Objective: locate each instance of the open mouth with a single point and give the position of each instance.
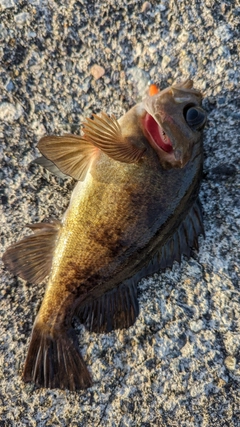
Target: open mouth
(157, 134)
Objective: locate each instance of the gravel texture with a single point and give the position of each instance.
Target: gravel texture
(179, 365)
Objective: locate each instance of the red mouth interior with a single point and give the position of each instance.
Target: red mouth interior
(157, 133)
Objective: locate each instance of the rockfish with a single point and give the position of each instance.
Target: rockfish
(133, 211)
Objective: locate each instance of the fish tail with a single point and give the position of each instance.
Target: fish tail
(55, 361)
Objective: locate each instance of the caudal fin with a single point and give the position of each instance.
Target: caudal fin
(55, 361)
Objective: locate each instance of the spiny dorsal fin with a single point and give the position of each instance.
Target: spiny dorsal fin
(184, 89)
(72, 154)
(105, 133)
(31, 257)
(185, 84)
(116, 309)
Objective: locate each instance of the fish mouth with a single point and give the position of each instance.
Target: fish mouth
(159, 140)
(156, 135)
(167, 151)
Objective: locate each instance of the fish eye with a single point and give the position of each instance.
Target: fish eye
(195, 117)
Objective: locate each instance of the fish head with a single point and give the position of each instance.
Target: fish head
(172, 122)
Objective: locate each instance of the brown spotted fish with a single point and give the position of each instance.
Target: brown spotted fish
(133, 211)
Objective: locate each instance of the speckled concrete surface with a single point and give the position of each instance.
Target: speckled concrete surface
(179, 365)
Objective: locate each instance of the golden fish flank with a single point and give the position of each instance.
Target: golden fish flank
(134, 211)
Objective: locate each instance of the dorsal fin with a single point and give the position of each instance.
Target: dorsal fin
(31, 257)
(180, 243)
(116, 309)
(183, 240)
(72, 154)
(185, 84)
(184, 89)
(105, 133)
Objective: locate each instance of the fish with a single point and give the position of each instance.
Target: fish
(134, 211)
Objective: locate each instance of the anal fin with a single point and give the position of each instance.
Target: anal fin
(116, 309)
(55, 361)
(31, 257)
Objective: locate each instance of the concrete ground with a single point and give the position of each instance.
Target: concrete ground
(179, 365)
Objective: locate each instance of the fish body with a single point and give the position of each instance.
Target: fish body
(133, 211)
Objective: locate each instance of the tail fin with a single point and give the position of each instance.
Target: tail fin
(55, 362)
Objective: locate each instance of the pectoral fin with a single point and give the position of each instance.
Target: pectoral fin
(71, 154)
(31, 257)
(105, 133)
(50, 166)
